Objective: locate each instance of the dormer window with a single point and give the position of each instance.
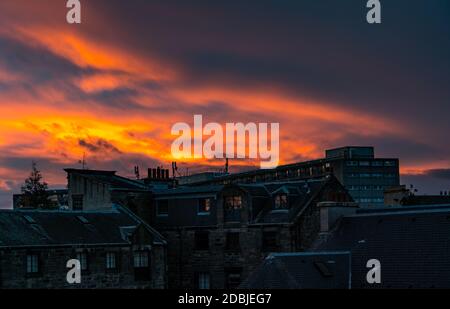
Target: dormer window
(281, 201)
(233, 205)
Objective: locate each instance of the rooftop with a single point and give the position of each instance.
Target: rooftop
(322, 270)
(412, 245)
(38, 228)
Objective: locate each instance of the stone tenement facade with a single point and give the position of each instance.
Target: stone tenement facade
(115, 249)
(217, 235)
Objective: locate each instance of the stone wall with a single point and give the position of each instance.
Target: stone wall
(53, 269)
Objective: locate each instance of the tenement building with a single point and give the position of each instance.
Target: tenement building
(218, 234)
(115, 249)
(362, 174)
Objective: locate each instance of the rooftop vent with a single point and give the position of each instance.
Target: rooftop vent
(29, 219)
(323, 269)
(83, 219)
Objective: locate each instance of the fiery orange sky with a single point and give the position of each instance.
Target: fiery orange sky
(113, 86)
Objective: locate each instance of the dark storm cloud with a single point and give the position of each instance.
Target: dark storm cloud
(439, 173)
(36, 64)
(319, 49)
(99, 145)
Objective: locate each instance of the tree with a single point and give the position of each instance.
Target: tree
(34, 191)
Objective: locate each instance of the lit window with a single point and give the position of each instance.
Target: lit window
(281, 201)
(233, 202)
(233, 205)
(204, 206)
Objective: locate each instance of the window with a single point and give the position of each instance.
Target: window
(364, 163)
(77, 202)
(233, 242)
(162, 208)
(377, 163)
(201, 240)
(352, 163)
(233, 205)
(233, 202)
(270, 242)
(281, 201)
(204, 206)
(233, 277)
(32, 264)
(390, 163)
(111, 261)
(82, 257)
(203, 281)
(142, 270)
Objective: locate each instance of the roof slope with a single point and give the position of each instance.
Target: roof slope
(109, 177)
(330, 270)
(413, 247)
(31, 228)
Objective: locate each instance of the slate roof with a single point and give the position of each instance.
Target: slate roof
(326, 270)
(187, 190)
(300, 193)
(31, 228)
(413, 246)
(415, 200)
(109, 177)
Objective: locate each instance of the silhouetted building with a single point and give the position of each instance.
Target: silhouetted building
(400, 196)
(115, 248)
(92, 189)
(364, 176)
(217, 235)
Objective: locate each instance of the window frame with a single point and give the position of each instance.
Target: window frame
(111, 256)
(158, 211)
(78, 201)
(83, 258)
(33, 264)
(281, 201)
(203, 281)
(142, 265)
(204, 210)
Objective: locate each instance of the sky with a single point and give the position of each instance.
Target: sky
(112, 87)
